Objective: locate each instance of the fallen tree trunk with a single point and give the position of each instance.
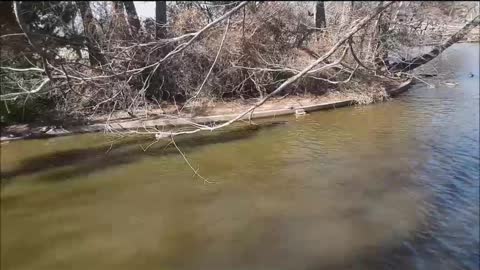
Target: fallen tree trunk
(408, 65)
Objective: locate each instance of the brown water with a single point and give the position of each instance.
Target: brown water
(387, 186)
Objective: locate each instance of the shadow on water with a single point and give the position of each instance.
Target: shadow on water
(72, 163)
(372, 259)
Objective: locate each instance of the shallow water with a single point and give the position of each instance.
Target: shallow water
(387, 186)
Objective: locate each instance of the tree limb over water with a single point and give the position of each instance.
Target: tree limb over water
(411, 64)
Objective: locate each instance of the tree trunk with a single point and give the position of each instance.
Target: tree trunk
(94, 53)
(132, 16)
(119, 21)
(8, 25)
(347, 8)
(408, 65)
(38, 46)
(160, 18)
(118, 10)
(320, 18)
(381, 51)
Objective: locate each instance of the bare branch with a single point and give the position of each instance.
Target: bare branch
(188, 163)
(23, 69)
(10, 96)
(211, 68)
(195, 36)
(12, 35)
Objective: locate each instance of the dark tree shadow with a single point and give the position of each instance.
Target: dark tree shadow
(72, 163)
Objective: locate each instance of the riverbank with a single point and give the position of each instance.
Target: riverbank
(214, 112)
(408, 168)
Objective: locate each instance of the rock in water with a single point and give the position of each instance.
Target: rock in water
(300, 112)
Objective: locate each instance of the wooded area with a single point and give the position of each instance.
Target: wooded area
(76, 59)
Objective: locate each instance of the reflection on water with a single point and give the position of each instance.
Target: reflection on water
(387, 186)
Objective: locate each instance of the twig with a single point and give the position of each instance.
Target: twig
(355, 56)
(15, 95)
(12, 35)
(211, 67)
(196, 36)
(146, 148)
(24, 69)
(188, 163)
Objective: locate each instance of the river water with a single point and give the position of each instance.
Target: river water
(386, 186)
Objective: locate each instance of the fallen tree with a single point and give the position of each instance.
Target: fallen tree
(411, 64)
